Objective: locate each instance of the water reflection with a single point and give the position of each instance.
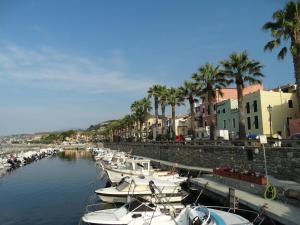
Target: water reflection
(75, 154)
(53, 190)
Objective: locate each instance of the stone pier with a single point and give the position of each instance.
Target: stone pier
(282, 163)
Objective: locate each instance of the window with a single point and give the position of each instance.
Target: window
(290, 103)
(215, 107)
(256, 122)
(248, 107)
(224, 124)
(249, 123)
(219, 111)
(233, 122)
(223, 110)
(255, 106)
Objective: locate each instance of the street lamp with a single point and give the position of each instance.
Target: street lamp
(269, 108)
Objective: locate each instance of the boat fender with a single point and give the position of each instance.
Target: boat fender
(136, 215)
(151, 186)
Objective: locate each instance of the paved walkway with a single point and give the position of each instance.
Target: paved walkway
(276, 210)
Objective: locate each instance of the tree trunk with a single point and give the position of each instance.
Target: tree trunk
(147, 131)
(242, 130)
(173, 123)
(156, 117)
(136, 131)
(163, 113)
(191, 101)
(296, 61)
(141, 131)
(212, 125)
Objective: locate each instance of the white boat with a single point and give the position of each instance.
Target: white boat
(137, 168)
(140, 187)
(138, 213)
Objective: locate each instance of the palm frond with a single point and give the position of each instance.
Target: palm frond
(281, 55)
(272, 44)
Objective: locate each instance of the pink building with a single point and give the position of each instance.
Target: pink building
(294, 126)
(202, 111)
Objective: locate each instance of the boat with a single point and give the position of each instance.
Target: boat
(139, 167)
(137, 212)
(141, 187)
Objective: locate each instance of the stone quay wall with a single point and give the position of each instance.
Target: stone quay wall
(282, 163)
(15, 148)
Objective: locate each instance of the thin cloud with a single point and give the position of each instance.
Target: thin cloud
(52, 69)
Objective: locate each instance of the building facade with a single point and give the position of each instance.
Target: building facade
(269, 112)
(182, 125)
(202, 110)
(228, 117)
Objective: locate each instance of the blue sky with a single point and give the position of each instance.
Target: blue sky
(69, 64)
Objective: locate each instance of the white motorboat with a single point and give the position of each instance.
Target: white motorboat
(137, 212)
(139, 167)
(141, 187)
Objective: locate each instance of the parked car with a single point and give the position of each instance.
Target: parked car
(295, 136)
(293, 140)
(188, 138)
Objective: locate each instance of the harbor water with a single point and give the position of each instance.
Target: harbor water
(56, 191)
(51, 191)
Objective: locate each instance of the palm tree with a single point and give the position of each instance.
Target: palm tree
(212, 80)
(286, 26)
(163, 102)
(114, 129)
(141, 110)
(154, 92)
(174, 98)
(190, 90)
(137, 111)
(128, 121)
(239, 69)
(146, 105)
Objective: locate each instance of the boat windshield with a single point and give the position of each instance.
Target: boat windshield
(137, 206)
(122, 185)
(199, 216)
(203, 213)
(146, 166)
(129, 166)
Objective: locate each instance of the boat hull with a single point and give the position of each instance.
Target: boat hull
(115, 175)
(109, 198)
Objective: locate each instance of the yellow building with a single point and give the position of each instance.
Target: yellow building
(284, 106)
